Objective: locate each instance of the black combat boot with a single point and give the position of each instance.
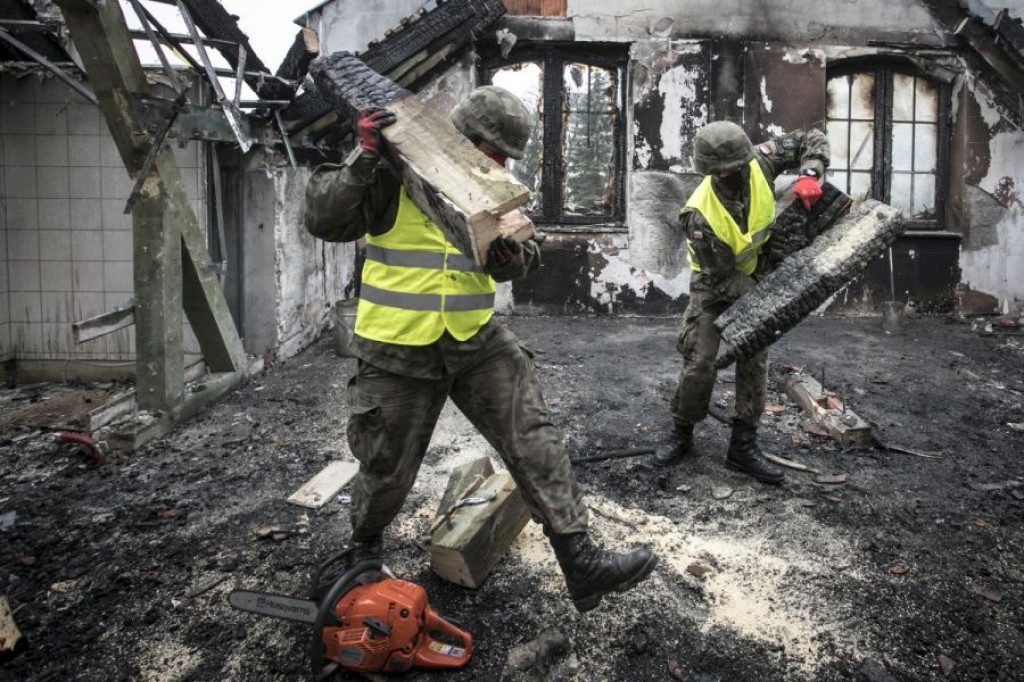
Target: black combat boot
(591, 572)
(678, 447)
(328, 572)
(745, 455)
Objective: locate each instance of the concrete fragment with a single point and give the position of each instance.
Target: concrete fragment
(535, 659)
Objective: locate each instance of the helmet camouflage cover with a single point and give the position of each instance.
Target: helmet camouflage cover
(721, 147)
(496, 116)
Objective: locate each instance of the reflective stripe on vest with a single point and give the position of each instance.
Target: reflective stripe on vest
(745, 246)
(416, 285)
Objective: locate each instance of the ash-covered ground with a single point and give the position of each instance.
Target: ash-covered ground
(910, 570)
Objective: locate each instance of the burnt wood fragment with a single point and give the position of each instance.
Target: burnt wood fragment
(215, 22)
(300, 55)
(806, 279)
(462, 191)
(795, 228)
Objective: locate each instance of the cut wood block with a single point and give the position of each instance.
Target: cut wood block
(315, 492)
(466, 547)
(461, 190)
(846, 428)
(10, 635)
(464, 481)
(806, 279)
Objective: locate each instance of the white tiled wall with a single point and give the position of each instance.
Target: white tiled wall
(66, 252)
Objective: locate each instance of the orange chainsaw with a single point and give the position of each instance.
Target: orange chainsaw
(368, 621)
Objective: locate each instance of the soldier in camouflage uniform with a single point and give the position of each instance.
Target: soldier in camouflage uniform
(727, 221)
(417, 348)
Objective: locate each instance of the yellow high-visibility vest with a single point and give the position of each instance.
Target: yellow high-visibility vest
(746, 247)
(416, 285)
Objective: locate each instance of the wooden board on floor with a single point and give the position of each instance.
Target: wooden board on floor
(465, 548)
(316, 492)
(845, 427)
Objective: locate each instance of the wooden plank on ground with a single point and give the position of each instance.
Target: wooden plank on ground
(10, 635)
(316, 492)
(844, 426)
(467, 546)
(461, 190)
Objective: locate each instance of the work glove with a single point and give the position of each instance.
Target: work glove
(369, 123)
(501, 251)
(808, 190)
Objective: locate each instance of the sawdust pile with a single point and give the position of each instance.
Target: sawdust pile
(771, 590)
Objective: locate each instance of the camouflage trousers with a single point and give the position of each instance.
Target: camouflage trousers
(698, 344)
(392, 418)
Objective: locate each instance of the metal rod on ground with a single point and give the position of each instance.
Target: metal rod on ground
(56, 70)
(892, 278)
(615, 454)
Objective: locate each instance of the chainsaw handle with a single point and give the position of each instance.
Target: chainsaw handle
(433, 653)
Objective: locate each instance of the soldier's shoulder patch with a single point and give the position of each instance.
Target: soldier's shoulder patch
(767, 148)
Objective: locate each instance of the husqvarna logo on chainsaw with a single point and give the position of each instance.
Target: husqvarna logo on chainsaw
(269, 604)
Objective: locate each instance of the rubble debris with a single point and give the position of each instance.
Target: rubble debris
(445, 175)
(998, 485)
(7, 520)
(614, 454)
(697, 570)
(830, 415)
(10, 635)
(535, 659)
(87, 445)
(790, 464)
(947, 664)
(984, 593)
(280, 531)
(806, 279)
(889, 447)
(316, 492)
(830, 479)
(721, 493)
(675, 670)
(900, 569)
(470, 541)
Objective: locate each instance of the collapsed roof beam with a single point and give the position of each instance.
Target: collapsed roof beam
(22, 26)
(46, 63)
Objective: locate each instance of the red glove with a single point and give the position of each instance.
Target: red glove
(369, 123)
(807, 190)
(501, 251)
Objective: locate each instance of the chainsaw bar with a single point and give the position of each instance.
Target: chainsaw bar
(274, 605)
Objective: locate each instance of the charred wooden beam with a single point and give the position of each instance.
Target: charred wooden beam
(795, 228)
(806, 279)
(300, 55)
(449, 179)
(448, 27)
(973, 32)
(215, 22)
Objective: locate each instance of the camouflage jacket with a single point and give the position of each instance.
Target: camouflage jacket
(796, 150)
(345, 203)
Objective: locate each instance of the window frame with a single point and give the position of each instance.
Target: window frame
(884, 70)
(553, 57)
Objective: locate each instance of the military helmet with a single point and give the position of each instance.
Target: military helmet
(721, 147)
(496, 116)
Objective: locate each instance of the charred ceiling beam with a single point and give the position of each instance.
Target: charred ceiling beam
(300, 55)
(982, 39)
(46, 63)
(410, 53)
(1010, 31)
(215, 22)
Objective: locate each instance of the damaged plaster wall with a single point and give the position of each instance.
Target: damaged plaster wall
(775, 20)
(293, 280)
(352, 24)
(991, 203)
